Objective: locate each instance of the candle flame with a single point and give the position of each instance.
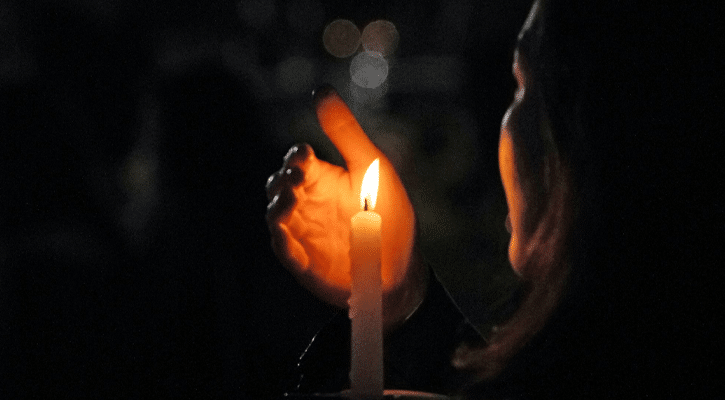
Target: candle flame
(369, 190)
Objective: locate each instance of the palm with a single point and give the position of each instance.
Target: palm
(313, 201)
(321, 223)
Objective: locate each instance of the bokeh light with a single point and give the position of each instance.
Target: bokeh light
(341, 38)
(369, 69)
(381, 37)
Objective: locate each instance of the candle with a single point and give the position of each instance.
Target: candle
(366, 311)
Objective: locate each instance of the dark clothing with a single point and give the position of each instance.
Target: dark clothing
(417, 355)
(576, 355)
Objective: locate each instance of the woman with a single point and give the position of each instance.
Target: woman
(601, 156)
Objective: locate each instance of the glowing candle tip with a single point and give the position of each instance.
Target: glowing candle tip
(369, 190)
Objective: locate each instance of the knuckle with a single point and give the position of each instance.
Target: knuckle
(298, 154)
(307, 151)
(294, 175)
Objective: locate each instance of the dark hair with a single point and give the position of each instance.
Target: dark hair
(623, 85)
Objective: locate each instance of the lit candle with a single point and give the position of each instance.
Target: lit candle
(366, 311)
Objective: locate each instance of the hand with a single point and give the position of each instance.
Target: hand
(312, 201)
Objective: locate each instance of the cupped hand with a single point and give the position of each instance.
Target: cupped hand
(312, 201)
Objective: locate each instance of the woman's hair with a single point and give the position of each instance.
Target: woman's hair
(621, 88)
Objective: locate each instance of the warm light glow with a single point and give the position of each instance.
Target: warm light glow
(369, 69)
(369, 188)
(341, 38)
(381, 37)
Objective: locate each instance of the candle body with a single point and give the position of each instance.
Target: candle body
(366, 311)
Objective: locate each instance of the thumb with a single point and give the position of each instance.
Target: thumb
(340, 125)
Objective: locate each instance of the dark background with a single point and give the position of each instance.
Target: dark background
(135, 141)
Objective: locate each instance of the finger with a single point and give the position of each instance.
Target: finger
(340, 125)
(281, 205)
(305, 159)
(300, 164)
(284, 177)
(271, 187)
(299, 155)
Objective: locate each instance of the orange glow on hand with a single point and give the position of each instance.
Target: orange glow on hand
(392, 203)
(310, 224)
(369, 189)
(341, 126)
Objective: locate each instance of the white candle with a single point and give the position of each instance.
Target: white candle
(366, 311)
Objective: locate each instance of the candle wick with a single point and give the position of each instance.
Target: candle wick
(365, 208)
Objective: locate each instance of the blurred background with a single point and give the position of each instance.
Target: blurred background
(135, 141)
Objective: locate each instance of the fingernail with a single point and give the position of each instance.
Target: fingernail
(291, 151)
(322, 92)
(273, 202)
